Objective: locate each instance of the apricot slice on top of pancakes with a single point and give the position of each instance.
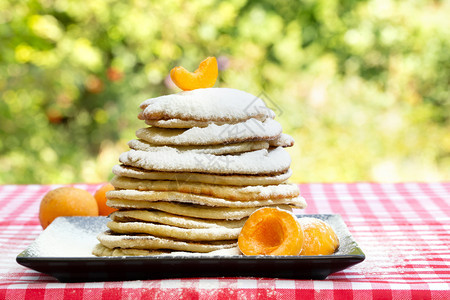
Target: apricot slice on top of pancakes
(204, 77)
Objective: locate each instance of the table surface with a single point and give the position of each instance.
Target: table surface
(403, 228)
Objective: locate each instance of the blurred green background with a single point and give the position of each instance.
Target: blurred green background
(363, 86)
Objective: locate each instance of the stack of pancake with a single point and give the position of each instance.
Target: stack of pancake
(209, 159)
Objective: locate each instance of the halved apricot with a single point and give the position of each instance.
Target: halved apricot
(320, 238)
(204, 77)
(271, 231)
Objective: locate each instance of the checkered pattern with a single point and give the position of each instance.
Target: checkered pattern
(402, 228)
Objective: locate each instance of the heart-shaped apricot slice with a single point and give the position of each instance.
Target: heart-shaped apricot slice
(204, 77)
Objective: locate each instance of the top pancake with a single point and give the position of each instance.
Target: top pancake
(222, 105)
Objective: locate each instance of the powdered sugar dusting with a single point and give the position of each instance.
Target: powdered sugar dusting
(68, 237)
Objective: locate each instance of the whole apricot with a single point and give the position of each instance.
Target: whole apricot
(65, 202)
(100, 197)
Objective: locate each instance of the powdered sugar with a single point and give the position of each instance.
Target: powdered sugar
(68, 237)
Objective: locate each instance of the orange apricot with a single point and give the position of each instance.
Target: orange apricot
(66, 202)
(100, 197)
(319, 237)
(204, 77)
(271, 231)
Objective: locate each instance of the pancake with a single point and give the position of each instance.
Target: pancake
(237, 180)
(259, 162)
(101, 250)
(185, 234)
(192, 210)
(250, 130)
(177, 197)
(171, 219)
(149, 242)
(177, 123)
(208, 104)
(284, 140)
(219, 191)
(214, 149)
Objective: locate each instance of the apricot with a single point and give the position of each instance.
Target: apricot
(66, 202)
(204, 77)
(319, 237)
(100, 197)
(271, 231)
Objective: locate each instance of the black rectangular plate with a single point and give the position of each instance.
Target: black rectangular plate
(63, 251)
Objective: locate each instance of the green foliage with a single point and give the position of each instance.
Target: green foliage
(363, 85)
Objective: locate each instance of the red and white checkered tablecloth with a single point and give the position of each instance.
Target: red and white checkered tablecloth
(403, 228)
